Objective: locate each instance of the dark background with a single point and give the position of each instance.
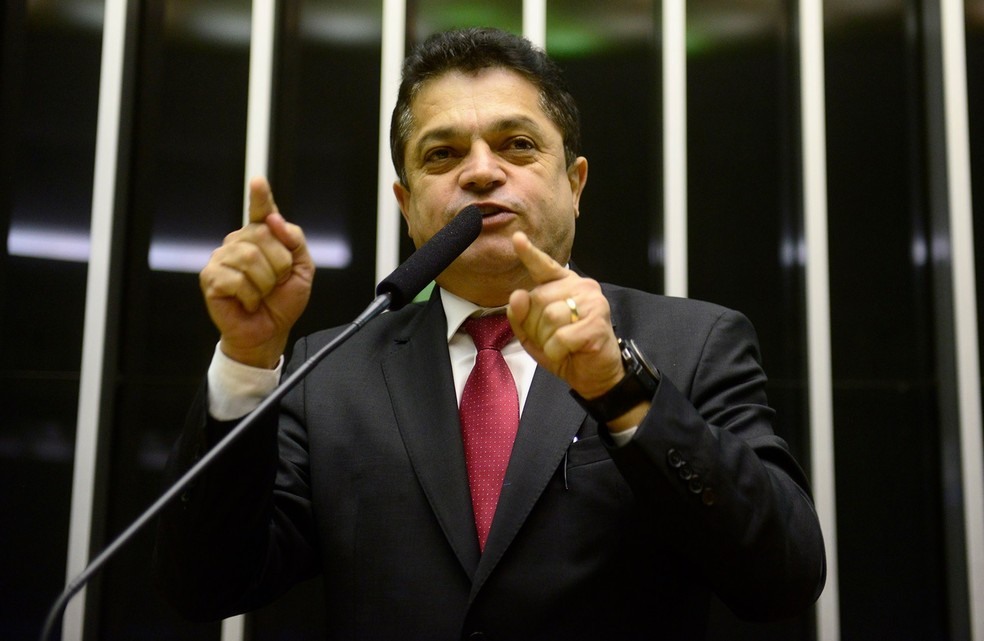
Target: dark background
(184, 132)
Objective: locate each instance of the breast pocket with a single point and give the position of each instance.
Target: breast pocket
(588, 468)
(586, 451)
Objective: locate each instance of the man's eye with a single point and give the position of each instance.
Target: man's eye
(437, 155)
(521, 144)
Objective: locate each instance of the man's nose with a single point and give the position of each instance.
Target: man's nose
(482, 169)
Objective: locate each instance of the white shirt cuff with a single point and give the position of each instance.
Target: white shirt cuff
(623, 437)
(234, 389)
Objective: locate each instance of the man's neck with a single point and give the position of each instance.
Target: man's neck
(488, 292)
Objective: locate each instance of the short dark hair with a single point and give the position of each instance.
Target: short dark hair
(473, 49)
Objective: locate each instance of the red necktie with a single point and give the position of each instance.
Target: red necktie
(489, 417)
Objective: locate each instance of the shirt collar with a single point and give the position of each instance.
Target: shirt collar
(457, 310)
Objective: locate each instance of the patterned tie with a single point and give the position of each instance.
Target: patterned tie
(489, 417)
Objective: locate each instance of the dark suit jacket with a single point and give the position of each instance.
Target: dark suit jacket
(362, 478)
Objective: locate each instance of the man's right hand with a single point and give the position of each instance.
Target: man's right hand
(258, 282)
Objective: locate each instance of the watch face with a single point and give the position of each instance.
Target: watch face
(644, 364)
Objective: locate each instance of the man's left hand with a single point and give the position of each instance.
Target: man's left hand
(579, 347)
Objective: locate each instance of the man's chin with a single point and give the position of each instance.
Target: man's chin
(485, 269)
(489, 253)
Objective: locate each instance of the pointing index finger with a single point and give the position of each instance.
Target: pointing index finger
(541, 266)
(261, 202)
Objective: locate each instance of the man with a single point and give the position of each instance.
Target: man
(620, 508)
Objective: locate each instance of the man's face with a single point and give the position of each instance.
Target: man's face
(483, 139)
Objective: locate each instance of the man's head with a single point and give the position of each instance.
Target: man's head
(469, 50)
(477, 127)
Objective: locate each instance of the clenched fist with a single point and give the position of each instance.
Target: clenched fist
(579, 347)
(258, 282)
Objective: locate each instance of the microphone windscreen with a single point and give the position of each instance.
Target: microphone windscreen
(432, 258)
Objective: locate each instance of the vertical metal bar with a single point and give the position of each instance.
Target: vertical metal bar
(234, 628)
(675, 147)
(387, 219)
(814, 142)
(263, 24)
(91, 383)
(262, 37)
(535, 22)
(957, 135)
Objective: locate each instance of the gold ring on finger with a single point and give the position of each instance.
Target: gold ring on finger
(575, 316)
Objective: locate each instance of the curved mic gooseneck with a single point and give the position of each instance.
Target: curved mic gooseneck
(392, 293)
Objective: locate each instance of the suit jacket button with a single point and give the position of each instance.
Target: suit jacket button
(686, 472)
(674, 458)
(477, 636)
(708, 497)
(695, 485)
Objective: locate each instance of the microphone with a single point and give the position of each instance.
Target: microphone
(432, 258)
(392, 293)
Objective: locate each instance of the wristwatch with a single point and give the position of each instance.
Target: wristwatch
(639, 384)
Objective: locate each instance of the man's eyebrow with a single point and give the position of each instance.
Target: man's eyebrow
(435, 135)
(499, 126)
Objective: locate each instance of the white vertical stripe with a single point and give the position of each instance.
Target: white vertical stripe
(964, 301)
(535, 22)
(96, 302)
(260, 98)
(387, 212)
(812, 97)
(234, 628)
(259, 106)
(675, 147)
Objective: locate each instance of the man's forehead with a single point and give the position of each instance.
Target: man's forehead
(501, 81)
(504, 99)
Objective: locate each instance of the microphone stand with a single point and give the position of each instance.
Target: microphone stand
(379, 305)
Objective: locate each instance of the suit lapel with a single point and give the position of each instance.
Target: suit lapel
(551, 419)
(421, 389)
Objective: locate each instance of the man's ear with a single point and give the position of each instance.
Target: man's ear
(577, 174)
(402, 194)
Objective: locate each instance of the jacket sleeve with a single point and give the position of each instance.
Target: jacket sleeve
(242, 533)
(731, 495)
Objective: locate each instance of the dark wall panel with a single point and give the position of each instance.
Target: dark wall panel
(183, 194)
(611, 59)
(49, 79)
(890, 534)
(744, 212)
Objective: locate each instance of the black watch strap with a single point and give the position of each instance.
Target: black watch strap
(639, 384)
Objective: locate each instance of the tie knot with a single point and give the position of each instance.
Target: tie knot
(489, 332)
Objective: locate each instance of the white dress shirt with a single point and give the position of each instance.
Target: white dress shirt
(235, 390)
